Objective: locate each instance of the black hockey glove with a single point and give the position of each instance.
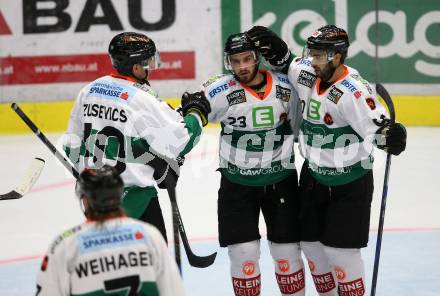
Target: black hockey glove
(392, 138)
(271, 46)
(198, 103)
(165, 173)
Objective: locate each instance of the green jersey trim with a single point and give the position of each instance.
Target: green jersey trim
(321, 136)
(340, 176)
(136, 199)
(257, 176)
(194, 130)
(235, 138)
(146, 289)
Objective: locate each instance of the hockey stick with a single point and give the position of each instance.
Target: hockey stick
(194, 260)
(27, 182)
(389, 102)
(45, 140)
(169, 180)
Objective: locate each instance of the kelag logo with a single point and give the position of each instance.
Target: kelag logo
(409, 43)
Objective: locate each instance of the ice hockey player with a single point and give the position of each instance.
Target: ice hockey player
(118, 119)
(342, 118)
(110, 253)
(258, 112)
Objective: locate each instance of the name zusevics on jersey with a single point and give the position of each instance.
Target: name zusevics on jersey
(104, 112)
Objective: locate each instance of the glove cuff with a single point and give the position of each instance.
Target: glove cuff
(200, 113)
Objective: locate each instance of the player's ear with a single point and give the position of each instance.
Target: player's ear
(337, 59)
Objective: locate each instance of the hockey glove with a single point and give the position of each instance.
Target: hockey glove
(392, 138)
(271, 47)
(165, 174)
(198, 103)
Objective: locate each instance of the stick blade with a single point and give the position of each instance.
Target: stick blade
(10, 195)
(200, 261)
(28, 180)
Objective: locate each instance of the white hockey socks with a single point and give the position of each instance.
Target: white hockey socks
(349, 269)
(289, 268)
(245, 269)
(320, 268)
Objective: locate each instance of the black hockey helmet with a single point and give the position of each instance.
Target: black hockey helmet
(237, 43)
(129, 48)
(331, 39)
(103, 188)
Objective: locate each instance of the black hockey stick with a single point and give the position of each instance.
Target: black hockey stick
(194, 260)
(45, 140)
(27, 182)
(389, 102)
(168, 180)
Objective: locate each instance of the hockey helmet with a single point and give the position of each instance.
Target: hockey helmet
(238, 43)
(103, 188)
(330, 39)
(129, 48)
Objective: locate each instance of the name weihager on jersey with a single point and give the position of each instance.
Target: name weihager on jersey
(113, 262)
(100, 259)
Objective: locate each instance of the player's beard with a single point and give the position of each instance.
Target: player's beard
(245, 76)
(326, 73)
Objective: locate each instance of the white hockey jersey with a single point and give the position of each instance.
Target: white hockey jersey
(116, 120)
(121, 256)
(339, 123)
(256, 140)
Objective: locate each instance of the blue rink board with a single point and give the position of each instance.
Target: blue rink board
(409, 266)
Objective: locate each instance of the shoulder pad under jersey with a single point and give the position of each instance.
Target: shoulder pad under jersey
(213, 79)
(146, 88)
(63, 236)
(352, 84)
(281, 77)
(220, 85)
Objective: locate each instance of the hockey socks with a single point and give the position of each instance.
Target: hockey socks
(289, 268)
(245, 270)
(322, 272)
(349, 269)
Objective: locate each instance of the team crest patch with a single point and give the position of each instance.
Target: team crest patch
(371, 103)
(283, 93)
(335, 94)
(44, 263)
(328, 119)
(306, 78)
(236, 97)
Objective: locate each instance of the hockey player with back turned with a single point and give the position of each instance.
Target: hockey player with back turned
(258, 111)
(342, 119)
(118, 119)
(109, 254)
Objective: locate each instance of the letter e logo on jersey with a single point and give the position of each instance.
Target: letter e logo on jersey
(283, 265)
(263, 116)
(248, 267)
(313, 109)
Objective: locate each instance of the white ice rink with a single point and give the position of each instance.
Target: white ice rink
(410, 258)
